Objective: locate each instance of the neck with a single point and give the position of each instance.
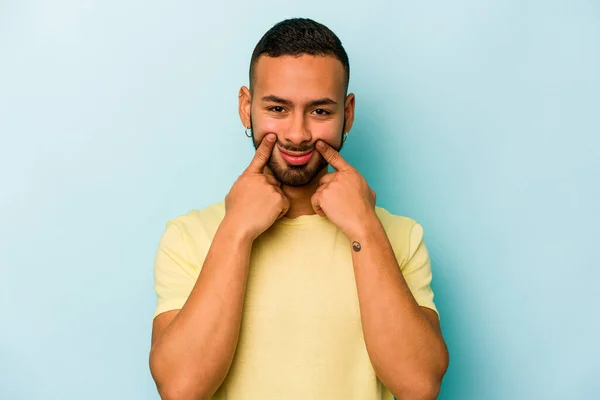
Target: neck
(300, 197)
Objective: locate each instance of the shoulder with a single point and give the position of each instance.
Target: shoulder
(206, 219)
(393, 221)
(405, 234)
(195, 229)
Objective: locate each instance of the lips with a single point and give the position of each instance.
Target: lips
(295, 158)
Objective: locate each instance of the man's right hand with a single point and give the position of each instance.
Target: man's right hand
(256, 200)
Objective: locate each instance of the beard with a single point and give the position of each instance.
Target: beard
(298, 175)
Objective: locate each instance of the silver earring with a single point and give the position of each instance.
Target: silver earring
(248, 129)
(344, 137)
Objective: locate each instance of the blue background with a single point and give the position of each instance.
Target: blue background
(480, 119)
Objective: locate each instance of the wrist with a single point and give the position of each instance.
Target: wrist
(367, 224)
(236, 232)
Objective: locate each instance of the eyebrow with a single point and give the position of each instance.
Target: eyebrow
(325, 101)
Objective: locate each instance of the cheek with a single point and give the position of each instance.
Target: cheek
(270, 125)
(263, 126)
(330, 132)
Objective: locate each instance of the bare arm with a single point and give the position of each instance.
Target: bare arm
(404, 340)
(192, 348)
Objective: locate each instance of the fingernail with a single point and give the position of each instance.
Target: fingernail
(320, 145)
(271, 137)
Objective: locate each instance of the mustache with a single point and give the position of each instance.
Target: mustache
(296, 149)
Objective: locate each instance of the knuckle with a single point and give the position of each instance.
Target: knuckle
(260, 156)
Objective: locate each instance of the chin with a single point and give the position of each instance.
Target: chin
(296, 176)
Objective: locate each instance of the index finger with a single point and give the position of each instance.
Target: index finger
(332, 156)
(261, 157)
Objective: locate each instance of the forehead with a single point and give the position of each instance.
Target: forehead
(302, 76)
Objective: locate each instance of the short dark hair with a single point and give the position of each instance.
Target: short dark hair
(297, 36)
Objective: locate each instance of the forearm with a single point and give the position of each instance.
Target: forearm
(406, 349)
(194, 353)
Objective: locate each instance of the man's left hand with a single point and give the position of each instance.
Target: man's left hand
(344, 196)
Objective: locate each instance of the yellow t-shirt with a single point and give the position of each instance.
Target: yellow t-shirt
(301, 335)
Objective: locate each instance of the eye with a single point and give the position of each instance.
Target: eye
(320, 111)
(277, 109)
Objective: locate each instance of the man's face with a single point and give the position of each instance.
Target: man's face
(300, 99)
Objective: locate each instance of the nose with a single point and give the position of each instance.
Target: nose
(298, 132)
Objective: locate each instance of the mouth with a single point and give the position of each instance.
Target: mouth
(294, 158)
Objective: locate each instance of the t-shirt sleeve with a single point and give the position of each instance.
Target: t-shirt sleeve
(175, 268)
(417, 269)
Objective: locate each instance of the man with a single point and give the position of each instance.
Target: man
(296, 286)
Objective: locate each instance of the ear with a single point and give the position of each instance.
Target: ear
(244, 104)
(349, 111)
